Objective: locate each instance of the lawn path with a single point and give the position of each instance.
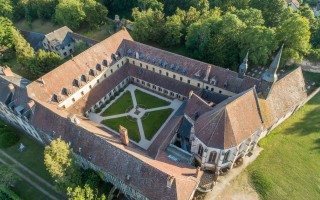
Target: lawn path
(28, 179)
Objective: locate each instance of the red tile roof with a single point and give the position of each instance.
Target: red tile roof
(230, 122)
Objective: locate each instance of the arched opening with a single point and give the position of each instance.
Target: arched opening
(200, 150)
(212, 157)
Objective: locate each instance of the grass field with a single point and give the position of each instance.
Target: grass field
(133, 130)
(289, 165)
(120, 105)
(149, 101)
(33, 158)
(154, 121)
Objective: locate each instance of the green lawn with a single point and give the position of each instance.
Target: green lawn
(33, 159)
(120, 106)
(149, 101)
(154, 121)
(132, 127)
(289, 165)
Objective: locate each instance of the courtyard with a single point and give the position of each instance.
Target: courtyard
(142, 112)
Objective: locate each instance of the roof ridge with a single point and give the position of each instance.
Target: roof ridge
(216, 126)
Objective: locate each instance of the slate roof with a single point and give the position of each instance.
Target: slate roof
(60, 37)
(34, 39)
(89, 41)
(213, 96)
(230, 122)
(234, 84)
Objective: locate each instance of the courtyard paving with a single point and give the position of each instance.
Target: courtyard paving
(138, 113)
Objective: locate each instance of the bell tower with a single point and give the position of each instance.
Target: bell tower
(270, 76)
(243, 67)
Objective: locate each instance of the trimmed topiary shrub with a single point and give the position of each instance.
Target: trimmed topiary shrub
(8, 137)
(112, 98)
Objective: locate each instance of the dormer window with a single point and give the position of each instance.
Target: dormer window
(225, 85)
(66, 91)
(57, 98)
(197, 74)
(213, 81)
(84, 78)
(93, 72)
(105, 62)
(77, 83)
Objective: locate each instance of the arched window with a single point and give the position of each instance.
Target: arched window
(226, 156)
(200, 150)
(212, 157)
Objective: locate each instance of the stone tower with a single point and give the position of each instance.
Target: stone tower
(243, 67)
(124, 135)
(270, 76)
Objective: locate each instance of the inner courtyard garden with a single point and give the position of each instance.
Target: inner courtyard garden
(140, 111)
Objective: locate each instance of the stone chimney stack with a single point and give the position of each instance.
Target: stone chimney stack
(11, 87)
(124, 135)
(190, 94)
(170, 180)
(42, 81)
(31, 104)
(206, 78)
(7, 71)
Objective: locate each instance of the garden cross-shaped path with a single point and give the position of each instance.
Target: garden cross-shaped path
(144, 143)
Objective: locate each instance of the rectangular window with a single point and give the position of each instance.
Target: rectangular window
(198, 84)
(140, 64)
(174, 76)
(111, 71)
(133, 62)
(147, 67)
(160, 72)
(167, 74)
(118, 66)
(189, 81)
(207, 87)
(211, 89)
(153, 69)
(180, 78)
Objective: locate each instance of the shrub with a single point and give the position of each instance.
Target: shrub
(314, 55)
(121, 90)
(116, 94)
(90, 178)
(98, 110)
(7, 194)
(8, 138)
(112, 98)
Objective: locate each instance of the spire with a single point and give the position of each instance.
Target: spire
(244, 66)
(271, 74)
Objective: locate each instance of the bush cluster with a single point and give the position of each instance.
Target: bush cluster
(8, 136)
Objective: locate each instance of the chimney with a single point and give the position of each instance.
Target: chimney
(11, 87)
(198, 172)
(206, 78)
(124, 135)
(190, 94)
(7, 71)
(31, 104)
(42, 81)
(170, 180)
(73, 118)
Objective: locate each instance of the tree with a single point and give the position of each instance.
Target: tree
(153, 4)
(260, 41)
(315, 36)
(8, 177)
(60, 163)
(273, 11)
(307, 12)
(172, 30)
(85, 193)
(6, 9)
(24, 52)
(80, 46)
(250, 16)
(95, 13)
(70, 13)
(6, 37)
(45, 62)
(294, 32)
(148, 25)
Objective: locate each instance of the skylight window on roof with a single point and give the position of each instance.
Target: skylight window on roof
(154, 61)
(184, 70)
(177, 68)
(99, 67)
(172, 66)
(66, 91)
(141, 56)
(160, 62)
(57, 98)
(148, 58)
(85, 78)
(164, 64)
(129, 52)
(93, 72)
(105, 62)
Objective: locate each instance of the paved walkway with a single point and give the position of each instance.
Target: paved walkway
(143, 143)
(35, 176)
(224, 181)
